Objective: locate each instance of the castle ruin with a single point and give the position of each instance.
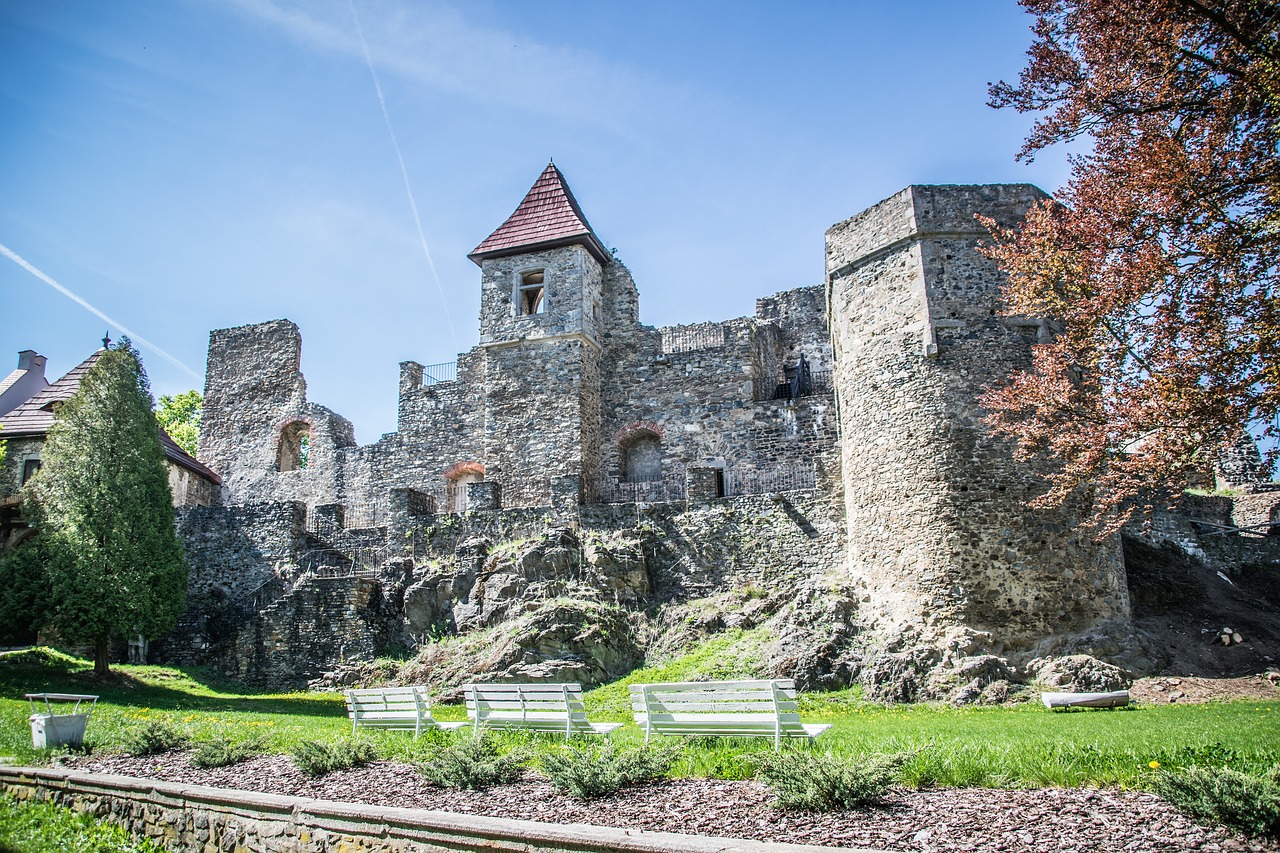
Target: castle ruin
(828, 451)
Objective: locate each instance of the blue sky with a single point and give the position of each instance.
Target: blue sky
(185, 166)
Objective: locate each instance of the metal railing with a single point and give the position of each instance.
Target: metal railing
(687, 339)
(643, 491)
(765, 482)
(446, 371)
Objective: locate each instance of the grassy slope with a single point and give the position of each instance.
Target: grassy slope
(1021, 746)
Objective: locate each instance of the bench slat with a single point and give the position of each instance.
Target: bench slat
(405, 708)
(759, 708)
(538, 707)
(707, 705)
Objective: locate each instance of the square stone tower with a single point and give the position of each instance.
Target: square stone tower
(541, 326)
(940, 536)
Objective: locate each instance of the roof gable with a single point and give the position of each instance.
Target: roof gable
(548, 216)
(34, 418)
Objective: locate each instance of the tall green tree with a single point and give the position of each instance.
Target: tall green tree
(1161, 256)
(179, 414)
(102, 502)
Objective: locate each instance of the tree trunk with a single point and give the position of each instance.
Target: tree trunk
(101, 666)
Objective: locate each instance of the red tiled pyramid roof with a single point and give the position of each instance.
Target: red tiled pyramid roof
(548, 216)
(34, 417)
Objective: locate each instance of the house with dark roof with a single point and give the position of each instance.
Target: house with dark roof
(25, 425)
(24, 382)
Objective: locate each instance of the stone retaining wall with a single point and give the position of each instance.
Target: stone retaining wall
(207, 820)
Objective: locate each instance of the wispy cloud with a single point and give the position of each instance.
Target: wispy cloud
(85, 304)
(435, 45)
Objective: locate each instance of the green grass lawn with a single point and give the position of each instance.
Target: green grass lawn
(1024, 746)
(33, 826)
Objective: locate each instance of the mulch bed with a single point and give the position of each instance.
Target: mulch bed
(1079, 820)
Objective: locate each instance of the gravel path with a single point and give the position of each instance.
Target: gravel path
(960, 819)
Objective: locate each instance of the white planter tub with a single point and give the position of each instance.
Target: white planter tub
(50, 730)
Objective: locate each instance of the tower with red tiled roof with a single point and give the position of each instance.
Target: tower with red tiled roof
(541, 327)
(542, 268)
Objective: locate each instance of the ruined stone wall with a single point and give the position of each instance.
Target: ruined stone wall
(319, 623)
(774, 542)
(801, 316)
(239, 556)
(255, 397)
(705, 389)
(940, 536)
(235, 549)
(440, 426)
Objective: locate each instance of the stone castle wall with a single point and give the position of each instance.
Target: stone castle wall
(525, 411)
(857, 400)
(940, 535)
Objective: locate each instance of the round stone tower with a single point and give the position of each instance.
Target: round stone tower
(941, 540)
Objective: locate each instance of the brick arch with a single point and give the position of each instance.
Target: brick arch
(635, 430)
(285, 423)
(286, 444)
(462, 469)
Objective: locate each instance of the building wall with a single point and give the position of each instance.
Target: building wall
(19, 451)
(187, 488)
(888, 443)
(940, 535)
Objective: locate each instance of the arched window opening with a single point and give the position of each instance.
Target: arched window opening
(531, 292)
(456, 480)
(642, 458)
(294, 452)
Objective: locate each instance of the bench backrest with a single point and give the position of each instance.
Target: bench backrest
(388, 702)
(535, 706)
(724, 706)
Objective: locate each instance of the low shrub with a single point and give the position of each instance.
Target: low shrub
(154, 737)
(221, 752)
(316, 759)
(473, 763)
(825, 782)
(597, 771)
(1220, 795)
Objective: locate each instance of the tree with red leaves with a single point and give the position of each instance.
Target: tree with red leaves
(1160, 259)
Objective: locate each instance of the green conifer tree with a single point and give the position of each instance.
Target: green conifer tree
(102, 502)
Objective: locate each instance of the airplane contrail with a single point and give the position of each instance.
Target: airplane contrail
(22, 262)
(404, 171)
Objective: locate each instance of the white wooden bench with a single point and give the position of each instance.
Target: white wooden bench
(406, 708)
(723, 709)
(537, 707)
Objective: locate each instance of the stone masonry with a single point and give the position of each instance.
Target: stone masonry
(940, 537)
(845, 415)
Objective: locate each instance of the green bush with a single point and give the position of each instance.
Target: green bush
(590, 771)
(316, 759)
(471, 763)
(1220, 795)
(820, 783)
(153, 737)
(221, 752)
